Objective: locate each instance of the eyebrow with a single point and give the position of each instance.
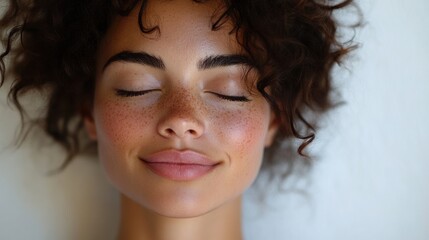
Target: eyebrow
(156, 62)
(223, 61)
(136, 57)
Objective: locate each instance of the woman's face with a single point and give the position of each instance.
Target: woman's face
(177, 129)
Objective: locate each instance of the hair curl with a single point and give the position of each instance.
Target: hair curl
(293, 44)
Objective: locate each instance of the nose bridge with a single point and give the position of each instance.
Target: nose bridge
(184, 104)
(183, 115)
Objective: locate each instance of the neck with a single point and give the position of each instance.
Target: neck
(139, 223)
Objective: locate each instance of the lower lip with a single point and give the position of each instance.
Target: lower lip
(178, 171)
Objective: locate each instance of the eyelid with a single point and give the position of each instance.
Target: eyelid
(231, 98)
(128, 93)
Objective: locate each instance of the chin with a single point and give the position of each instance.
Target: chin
(183, 207)
(184, 203)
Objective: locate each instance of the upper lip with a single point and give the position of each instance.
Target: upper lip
(173, 156)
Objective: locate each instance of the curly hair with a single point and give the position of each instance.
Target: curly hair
(293, 44)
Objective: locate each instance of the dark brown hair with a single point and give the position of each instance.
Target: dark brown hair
(293, 44)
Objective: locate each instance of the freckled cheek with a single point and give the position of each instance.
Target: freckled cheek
(242, 131)
(242, 135)
(121, 124)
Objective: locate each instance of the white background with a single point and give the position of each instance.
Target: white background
(371, 181)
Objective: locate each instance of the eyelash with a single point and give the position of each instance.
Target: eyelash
(126, 93)
(232, 98)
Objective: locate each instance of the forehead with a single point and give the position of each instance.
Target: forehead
(185, 30)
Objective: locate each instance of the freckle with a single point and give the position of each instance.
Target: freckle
(114, 114)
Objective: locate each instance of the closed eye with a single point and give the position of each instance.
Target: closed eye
(231, 98)
(127, 93)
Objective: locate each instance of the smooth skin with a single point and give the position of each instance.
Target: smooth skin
(166, 94)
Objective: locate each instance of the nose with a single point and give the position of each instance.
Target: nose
(181, 120)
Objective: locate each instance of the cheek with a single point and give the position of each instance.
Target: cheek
(243, 130)
(242, 134)
(120, 130)
(121, 125)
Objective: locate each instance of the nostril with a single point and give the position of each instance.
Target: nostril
(180, 129)
(170, 131)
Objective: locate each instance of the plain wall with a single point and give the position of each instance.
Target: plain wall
(370, 180)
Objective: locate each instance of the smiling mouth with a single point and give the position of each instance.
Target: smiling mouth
(179, 165)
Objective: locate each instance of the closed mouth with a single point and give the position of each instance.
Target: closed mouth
(179, 165)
